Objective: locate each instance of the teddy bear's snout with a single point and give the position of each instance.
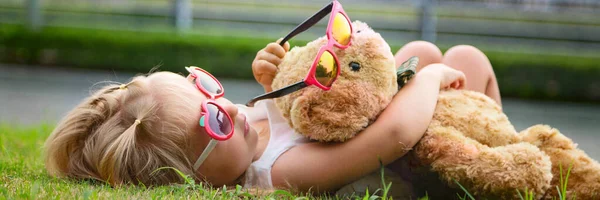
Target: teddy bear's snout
(337, 114)
(345, 98)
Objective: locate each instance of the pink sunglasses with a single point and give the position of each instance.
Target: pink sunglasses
(215, 120)
(325, 68)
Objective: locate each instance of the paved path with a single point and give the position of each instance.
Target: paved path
(30, 95)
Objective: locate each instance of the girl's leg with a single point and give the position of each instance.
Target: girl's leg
(477, 69)
(468, 59)
(428, 53)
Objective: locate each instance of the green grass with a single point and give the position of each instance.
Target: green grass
(529, 195)
(562, 190)
(23, 176)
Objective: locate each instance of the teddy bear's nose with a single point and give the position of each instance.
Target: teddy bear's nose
(354, 66)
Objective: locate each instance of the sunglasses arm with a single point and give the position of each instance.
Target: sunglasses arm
(211, 145)
(308, 23)
(278, 93)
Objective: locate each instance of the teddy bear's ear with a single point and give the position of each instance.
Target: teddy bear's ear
(360, 27)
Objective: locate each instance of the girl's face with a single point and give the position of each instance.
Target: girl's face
(228, 161)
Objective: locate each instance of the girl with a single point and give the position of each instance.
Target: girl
(123, 133)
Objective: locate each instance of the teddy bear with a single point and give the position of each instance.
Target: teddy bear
(366, 85)
(469, 141)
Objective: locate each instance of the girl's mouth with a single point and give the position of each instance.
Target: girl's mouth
(246, 128)
(246, 125)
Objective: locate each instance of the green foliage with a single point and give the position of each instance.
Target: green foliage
(547, 76)
(127, 50)
(519, 75)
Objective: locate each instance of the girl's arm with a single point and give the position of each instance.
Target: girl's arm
(320, 167)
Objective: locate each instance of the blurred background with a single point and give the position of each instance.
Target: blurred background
(545, 53)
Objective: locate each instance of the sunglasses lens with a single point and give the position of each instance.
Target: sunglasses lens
(326, 69)
(209, 83)
(341, 29)
(218, 120)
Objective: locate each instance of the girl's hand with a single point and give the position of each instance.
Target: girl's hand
(264, 66)
(449, 77)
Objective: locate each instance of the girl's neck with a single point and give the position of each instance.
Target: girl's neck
(264, 133)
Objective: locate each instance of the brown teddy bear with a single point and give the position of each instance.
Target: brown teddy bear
(366, 85)
(469, 141)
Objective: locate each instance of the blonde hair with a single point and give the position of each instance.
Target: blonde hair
(122, 134)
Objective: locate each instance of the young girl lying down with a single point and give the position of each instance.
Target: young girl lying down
(123, 133)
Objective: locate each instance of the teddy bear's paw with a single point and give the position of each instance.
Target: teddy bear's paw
(545, 137)
(583, 173)
(499, 172)
(475, 116)
(576, 188)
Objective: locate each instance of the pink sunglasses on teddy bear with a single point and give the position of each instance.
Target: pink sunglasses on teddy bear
(324, 70)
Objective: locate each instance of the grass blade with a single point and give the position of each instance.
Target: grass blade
(465, 190)
(282, 193)
(188, 180)
(521, 196)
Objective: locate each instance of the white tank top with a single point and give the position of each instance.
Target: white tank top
(282, 138)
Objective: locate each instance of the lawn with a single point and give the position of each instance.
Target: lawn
(23, 176)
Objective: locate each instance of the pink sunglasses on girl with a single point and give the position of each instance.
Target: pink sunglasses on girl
(215, 120)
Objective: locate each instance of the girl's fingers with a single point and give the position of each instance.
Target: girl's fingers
(264, 68)
(264, 55)
(275, 49)
(286, 46)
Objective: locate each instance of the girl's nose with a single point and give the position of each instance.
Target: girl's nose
(231, 109)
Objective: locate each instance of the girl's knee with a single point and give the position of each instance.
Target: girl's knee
(464, 51)
(427, 52)
(475, 64)
(468, 58)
